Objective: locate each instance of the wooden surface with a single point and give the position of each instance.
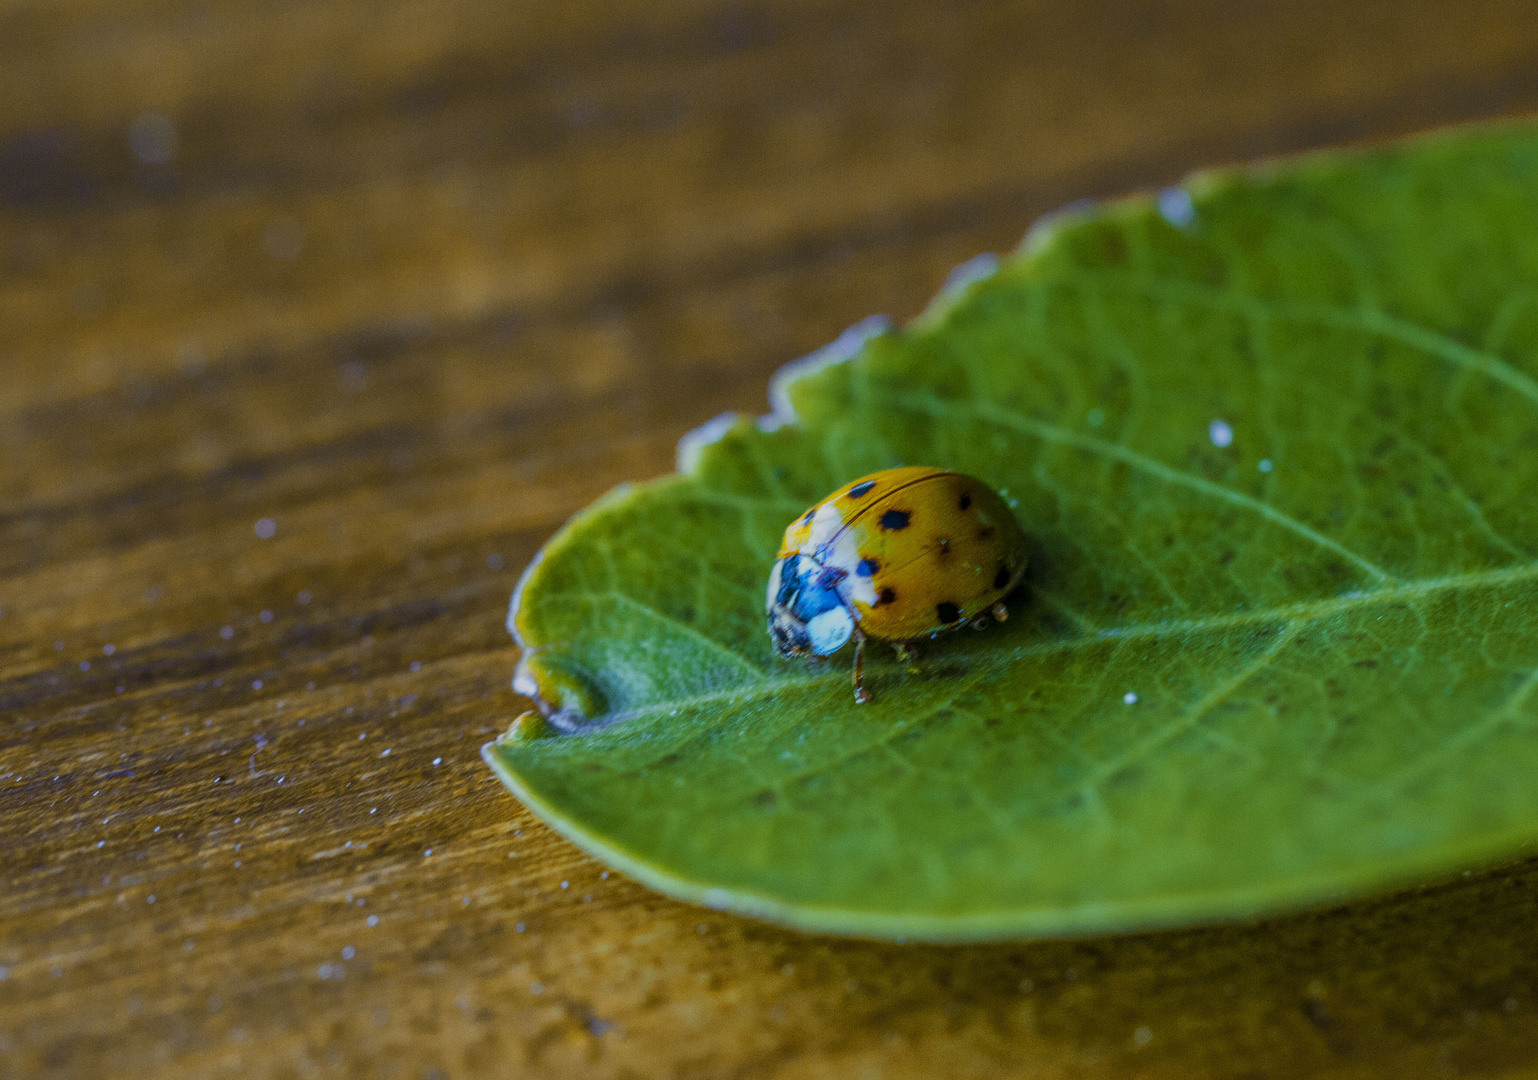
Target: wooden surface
(417, 280)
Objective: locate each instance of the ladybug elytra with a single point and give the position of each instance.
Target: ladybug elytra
(898, 555)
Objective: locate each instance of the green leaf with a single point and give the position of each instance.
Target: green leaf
(1274, 438)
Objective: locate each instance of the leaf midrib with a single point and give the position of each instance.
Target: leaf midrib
(1302, 613)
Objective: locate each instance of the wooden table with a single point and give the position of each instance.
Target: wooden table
(318, 319)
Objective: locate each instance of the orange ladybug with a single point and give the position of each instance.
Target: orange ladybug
(898, 555)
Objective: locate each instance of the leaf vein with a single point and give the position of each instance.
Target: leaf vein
(1053, 433)
(1192, 716)
(647, 611)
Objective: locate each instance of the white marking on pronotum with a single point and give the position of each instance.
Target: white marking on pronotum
(843, 348)
(826, 525)
(1175, 207)
(856, 586)
(833, 545)
(694, 442)
(1220, 433)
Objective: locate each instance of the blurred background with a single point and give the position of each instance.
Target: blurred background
(317, 319)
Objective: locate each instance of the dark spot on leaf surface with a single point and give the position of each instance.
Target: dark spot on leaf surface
(947, 611)
(859, 491)
(895, 519)
(765, 800)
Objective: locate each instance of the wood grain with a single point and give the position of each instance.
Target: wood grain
(418, 280)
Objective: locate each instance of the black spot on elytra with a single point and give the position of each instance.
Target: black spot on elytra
(1001, 579)
(867, 568)
(945, 545)
(984, 533)
(966, 500)
(859, 491)
(886, 596)
(895, 519)
(948, 612)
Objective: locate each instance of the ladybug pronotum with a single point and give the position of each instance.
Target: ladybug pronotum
(898, 555)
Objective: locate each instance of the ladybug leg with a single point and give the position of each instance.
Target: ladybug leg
(908, 653)
(1000, 612)
(861, 695)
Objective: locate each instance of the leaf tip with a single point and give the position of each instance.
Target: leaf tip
(526, 727)
(567, 696)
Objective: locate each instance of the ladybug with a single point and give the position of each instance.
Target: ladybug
(898, 555)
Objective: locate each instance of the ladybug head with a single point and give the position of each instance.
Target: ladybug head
(788, 633)
(806, 613)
